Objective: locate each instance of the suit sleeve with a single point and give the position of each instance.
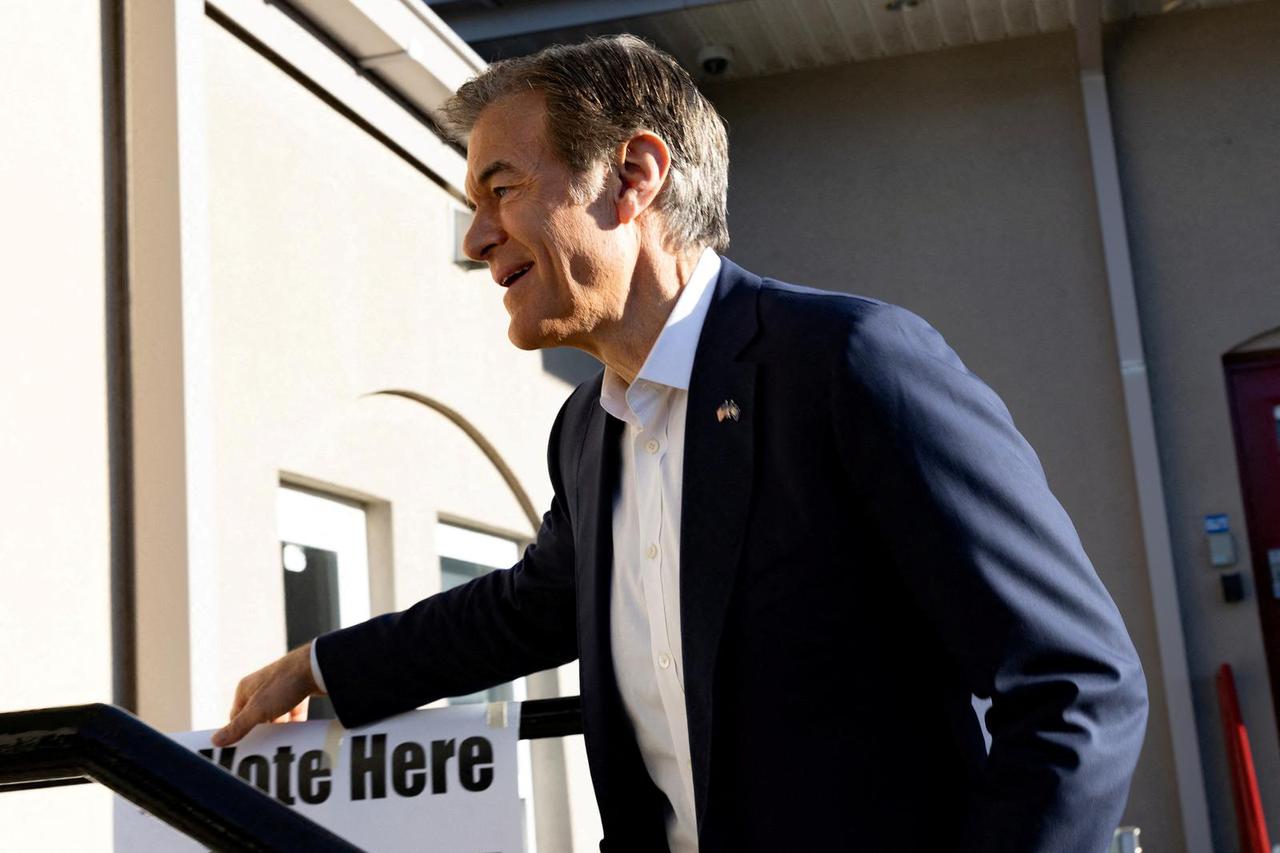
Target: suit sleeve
(499, 626)
(993, 561)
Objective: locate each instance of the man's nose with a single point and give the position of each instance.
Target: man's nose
(482, 235)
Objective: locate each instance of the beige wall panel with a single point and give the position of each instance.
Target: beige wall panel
(1196, 100)
(55, 528)
(332, 279)
(957, 184)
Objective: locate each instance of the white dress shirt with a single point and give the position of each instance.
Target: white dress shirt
(644, 603)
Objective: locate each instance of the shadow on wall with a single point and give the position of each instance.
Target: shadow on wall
(1258, 343)
(571, 365)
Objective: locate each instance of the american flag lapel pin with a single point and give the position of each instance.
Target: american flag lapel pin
(728, 410)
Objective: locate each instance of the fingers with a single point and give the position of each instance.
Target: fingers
(239, 726)
(246, 720)
(258, 709)
(241, 697)
(246, 710)
(235, 727)
(296, 714)
(276, 693)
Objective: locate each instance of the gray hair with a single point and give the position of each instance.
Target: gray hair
(601, 92)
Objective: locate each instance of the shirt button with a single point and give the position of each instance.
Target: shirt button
(652, 445)
(664, 660)
(651, 551)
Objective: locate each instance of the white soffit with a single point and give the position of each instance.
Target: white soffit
(403, 43)
(777, 36)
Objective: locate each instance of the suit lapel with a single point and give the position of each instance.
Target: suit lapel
(717, 477)
(718, 469)
(628, 802)
(597, 477)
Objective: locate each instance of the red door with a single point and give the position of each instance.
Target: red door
(1253, 380)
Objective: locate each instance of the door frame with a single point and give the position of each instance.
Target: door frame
(1236, 365)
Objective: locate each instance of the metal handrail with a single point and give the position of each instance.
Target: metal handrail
(559, 717)
(52, 747)
(109, 745)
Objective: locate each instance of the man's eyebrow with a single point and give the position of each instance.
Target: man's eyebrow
(485, 174)
(492, 169)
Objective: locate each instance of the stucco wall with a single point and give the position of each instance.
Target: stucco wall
(1196, 101)
(332, 279)
(957, 184)
(54, 511)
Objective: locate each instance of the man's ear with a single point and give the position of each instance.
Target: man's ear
(644, 162)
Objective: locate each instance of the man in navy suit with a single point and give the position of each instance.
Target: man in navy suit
(791, 536)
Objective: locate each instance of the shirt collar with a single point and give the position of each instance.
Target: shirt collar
(670, 361)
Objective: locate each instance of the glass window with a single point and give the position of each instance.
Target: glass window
(324, 557)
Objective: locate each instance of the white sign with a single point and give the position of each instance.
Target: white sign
(441, 779)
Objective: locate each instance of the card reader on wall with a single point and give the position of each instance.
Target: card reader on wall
(1222, 545)
(1232, 587)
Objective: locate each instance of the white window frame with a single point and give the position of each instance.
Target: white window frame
(331, 523)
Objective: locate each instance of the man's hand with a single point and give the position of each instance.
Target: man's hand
(276, 693)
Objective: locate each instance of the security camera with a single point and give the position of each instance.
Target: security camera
(715, 58)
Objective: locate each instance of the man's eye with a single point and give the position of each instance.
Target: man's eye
(500, 191)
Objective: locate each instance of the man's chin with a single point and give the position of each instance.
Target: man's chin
(541, 332)
(527, 339)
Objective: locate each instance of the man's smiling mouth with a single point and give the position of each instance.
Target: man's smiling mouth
(513, 277)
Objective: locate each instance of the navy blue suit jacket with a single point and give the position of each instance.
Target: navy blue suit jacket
(866, 546)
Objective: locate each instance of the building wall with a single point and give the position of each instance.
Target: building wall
(1196, 101)
(55, 535)
(958, 185)
(332, 279)
(954, 183)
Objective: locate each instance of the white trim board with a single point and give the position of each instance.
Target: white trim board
(318, 521)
